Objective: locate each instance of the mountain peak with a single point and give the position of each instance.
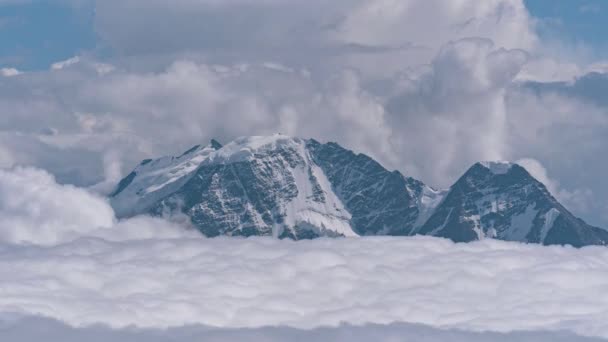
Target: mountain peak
(216, 145)
(246, 148)
(284, 186)
(502, 200)
(497, 167)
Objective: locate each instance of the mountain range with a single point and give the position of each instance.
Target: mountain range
(300, 189)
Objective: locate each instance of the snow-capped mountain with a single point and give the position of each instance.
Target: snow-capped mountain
(297, 188)
(502, 200)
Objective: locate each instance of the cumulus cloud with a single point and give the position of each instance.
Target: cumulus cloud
(66, 63)
(482, 286)
(35, 209)
(427, 87)
(393, 23)
(375, 76)
(9, 72)
(460, 100)
(119, 115)
(314, 23)
(378, 37)
(63, 256)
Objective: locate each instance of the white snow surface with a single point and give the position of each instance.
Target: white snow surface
(245, 148)
(149, 273)
(164, 176)
(550, 218)
(330, 215)
(429, 201)
(497, 167)
(157, 179)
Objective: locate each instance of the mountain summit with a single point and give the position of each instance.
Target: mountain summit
(503, 201)
(300, 188)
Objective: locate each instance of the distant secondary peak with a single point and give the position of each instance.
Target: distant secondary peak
(497, 167)
(215, 144)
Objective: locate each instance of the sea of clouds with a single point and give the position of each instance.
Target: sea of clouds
(410, 83)
(34, 329)
(64, 257)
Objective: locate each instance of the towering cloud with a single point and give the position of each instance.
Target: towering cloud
(426, 87)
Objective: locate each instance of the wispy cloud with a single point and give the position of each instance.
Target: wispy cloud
(592, 8)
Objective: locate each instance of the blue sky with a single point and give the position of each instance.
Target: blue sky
(579, 22)
(36, 34)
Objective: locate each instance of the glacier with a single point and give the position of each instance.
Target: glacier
(289, 187)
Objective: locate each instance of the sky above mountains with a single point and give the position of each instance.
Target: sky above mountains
(89, 88)
(39, 33)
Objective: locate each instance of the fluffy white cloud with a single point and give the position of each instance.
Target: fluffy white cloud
(378, 37)
(430, 122)
(35, 209)
(426, 87)
(227, 282)
(66, 63)
(394, 23)
(118, 116)
(454, 114)
(64, 256)
(9, 72)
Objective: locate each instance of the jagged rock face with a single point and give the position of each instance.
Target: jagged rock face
(503, 201)
(257, 195)
(380, 202)
(295, 188)
(276, 186)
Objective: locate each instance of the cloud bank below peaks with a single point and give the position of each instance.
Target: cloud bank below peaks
(81, 267)
(32, 329)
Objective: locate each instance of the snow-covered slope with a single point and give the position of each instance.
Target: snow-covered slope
(277, 185)
(502, 200)
(296, 188)
(154, 179)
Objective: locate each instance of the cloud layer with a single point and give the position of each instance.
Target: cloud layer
(64, 256)
(34, 209)
(30, 329)
(426, 87)
(375, 76)
(258, 282)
